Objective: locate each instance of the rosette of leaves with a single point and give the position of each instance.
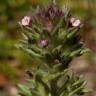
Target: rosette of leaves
(51, 37)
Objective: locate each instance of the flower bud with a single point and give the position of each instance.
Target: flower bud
(48, 26)
(56, 61)
(43, 43)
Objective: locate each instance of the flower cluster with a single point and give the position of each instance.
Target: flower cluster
(48, 27)
(49, 18)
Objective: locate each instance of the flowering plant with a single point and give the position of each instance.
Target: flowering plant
(51, 37)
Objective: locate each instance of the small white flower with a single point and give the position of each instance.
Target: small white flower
(76, 23)
(25, 21)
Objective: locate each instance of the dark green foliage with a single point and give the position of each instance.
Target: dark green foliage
(53, 40)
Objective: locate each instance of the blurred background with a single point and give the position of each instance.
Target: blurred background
(14, 63)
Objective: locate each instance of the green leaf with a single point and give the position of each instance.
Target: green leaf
(31, 35)
(78, 89)
(32, 53)
(76, 52)
(24, 90)
(78, 82)
(53, 76)
(41, 90)
(28, 51)
(72, 33)
(87, 90)
(84, 50)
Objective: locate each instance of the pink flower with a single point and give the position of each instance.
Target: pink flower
(43, 43)
(75, 22)
(26, 21)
